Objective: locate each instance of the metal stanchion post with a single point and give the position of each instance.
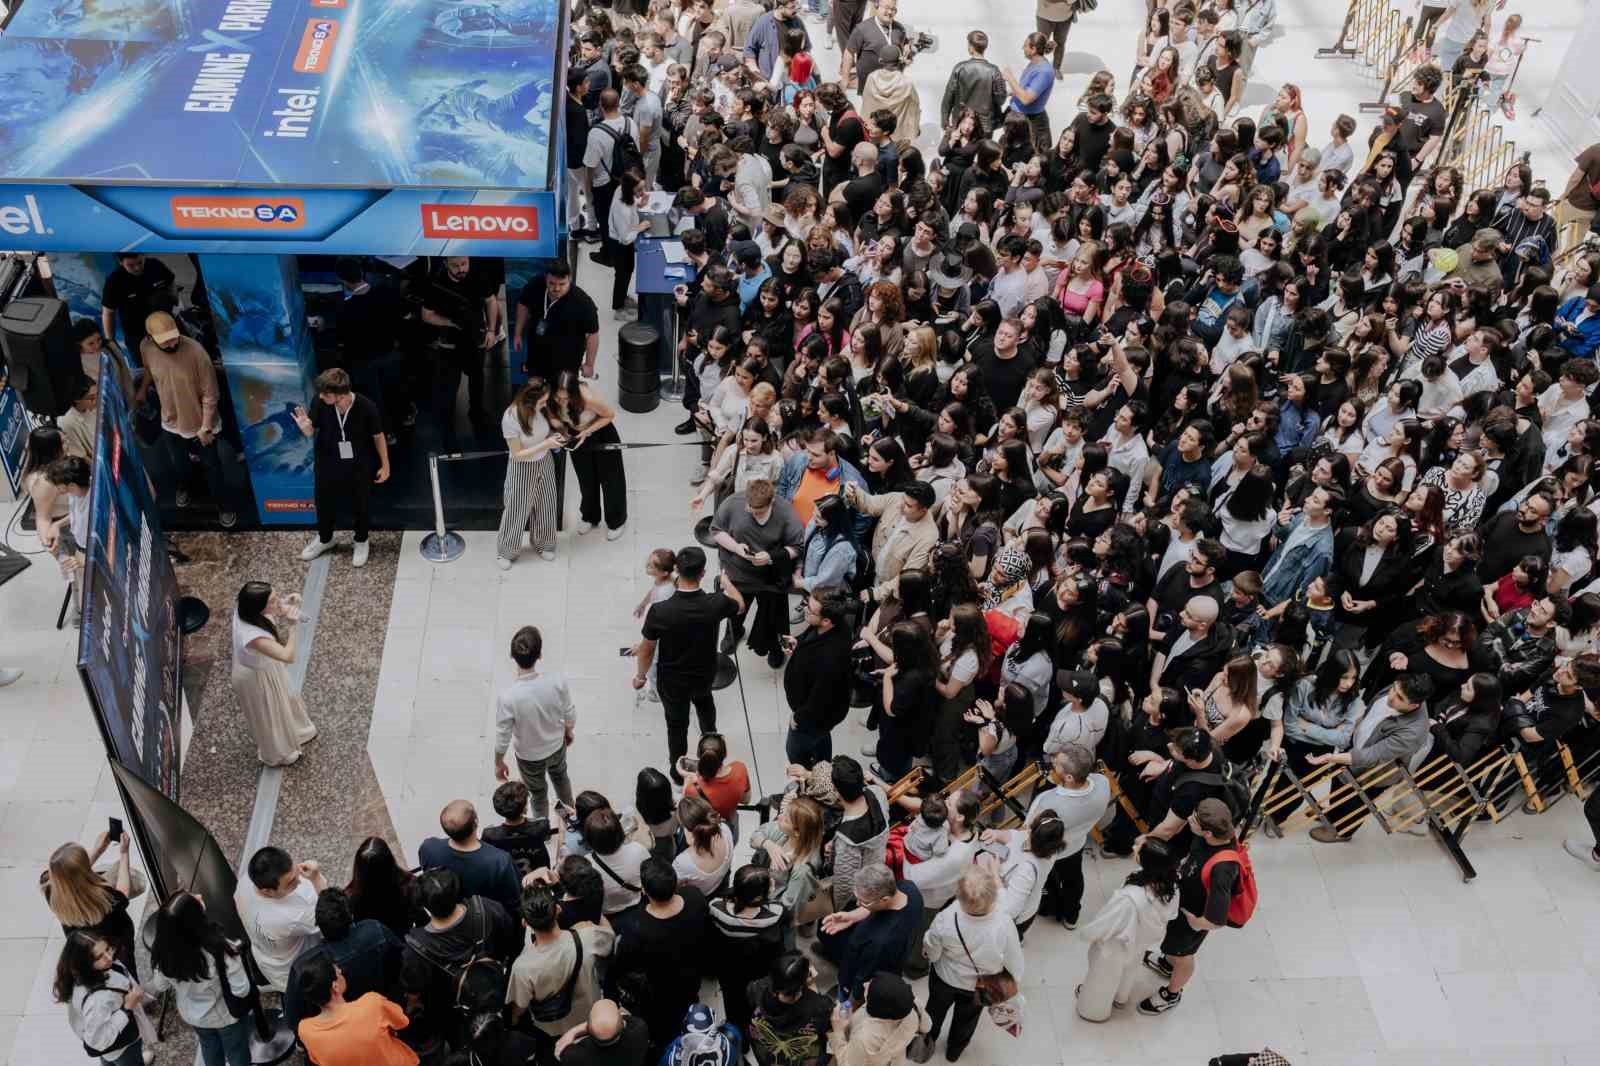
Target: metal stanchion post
(674, 389)
(442, 545)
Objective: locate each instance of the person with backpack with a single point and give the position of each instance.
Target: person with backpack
(612, 150)
(1216, 889)
(703, 1042)
(191, 956)
(455, 964)
(103, 1002)
(344, 1032)
(554, 981)
(1196, 770)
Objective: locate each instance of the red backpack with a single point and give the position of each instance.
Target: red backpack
(1245, 894)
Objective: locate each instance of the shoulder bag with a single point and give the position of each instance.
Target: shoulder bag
(992, 988)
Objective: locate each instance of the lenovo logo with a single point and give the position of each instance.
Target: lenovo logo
(237, 213)
(24, 220)
(488, 221)
(316, 46)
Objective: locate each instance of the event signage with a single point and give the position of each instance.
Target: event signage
(14, 427)
(128, 649)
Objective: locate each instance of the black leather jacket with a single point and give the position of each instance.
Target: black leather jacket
(974, 83)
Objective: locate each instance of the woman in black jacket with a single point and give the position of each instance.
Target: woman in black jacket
(1372, 564)
(1470, 725)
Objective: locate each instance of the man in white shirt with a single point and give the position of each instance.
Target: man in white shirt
(538, 710)
(1079, 798)
(1009, 288)
(1565, 403)
(278, 908)
(1303, 182)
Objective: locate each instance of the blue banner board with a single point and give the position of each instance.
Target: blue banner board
(368, 94)
(259, 314)
(14, 427)
(128, 646)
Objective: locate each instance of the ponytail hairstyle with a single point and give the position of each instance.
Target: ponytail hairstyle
(700, 820)
(712, 752)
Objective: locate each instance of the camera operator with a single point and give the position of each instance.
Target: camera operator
(868, 41)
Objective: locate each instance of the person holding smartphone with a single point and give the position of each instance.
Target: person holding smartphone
(352, 455)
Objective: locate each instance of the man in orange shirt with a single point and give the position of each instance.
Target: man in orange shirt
(818, 471)
(342, 1033)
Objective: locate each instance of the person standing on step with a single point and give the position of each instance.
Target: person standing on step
(351, 456)
(529, 501)
(186, 381)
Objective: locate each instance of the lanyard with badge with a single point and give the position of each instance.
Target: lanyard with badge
(539, 327)
(346, 449)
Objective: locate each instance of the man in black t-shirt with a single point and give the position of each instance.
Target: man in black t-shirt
(682, 629)
(611, 1037)
(1092, 131)
(840, 136)
(557, 326)
(138, 287)
(460, 307)
(1005, 369)
(351, 456)
(1205, 892)
(1422, 117)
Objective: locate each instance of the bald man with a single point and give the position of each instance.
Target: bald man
(1190, 656)
(484, 869)
(611, 1037)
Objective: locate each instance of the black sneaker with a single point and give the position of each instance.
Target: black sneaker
(730, 638)
(1161, 1002)
(684, 428)
(1158, 964)
(600, 257)
(775, 659)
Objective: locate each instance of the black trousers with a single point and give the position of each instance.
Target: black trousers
(1591, 811)
(447, 374)
(1063, 889)
(335, 487)
(675, 703)
(622, 256)
(603, 195)
(601, 480)
(1039, 124)
(941, 998)
(1058, 32)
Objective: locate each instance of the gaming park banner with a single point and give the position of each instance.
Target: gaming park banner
(128, 646)
(391, 127)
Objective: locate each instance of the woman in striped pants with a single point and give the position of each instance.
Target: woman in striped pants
(530, 493)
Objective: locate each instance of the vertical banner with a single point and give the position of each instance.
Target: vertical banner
(14, 427)
(259, 314)
(128, 646)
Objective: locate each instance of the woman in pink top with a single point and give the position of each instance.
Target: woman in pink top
(1079, 289)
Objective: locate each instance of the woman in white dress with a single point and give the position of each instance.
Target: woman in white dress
(275, 713)
(1132, 921)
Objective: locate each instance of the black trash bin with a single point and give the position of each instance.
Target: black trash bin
(638, 381)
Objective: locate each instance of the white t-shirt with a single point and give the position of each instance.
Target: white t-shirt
(511, 429)
(279, 929)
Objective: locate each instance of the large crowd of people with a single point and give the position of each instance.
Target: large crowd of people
(1152, 450)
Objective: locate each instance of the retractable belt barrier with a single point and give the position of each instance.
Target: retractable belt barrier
(1442, 794)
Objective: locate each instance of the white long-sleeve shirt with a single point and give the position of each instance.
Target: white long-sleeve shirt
(991, 940)
(201, 1003)
(536, 711)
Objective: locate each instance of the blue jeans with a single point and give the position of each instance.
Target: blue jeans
(819, 7)
(228, 1046)
(1448, 52)
(808, 747)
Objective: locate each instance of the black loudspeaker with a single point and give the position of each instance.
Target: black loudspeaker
(44, 364)
(639, 384)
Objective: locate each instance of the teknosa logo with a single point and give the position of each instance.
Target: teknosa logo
(316, 46)
(480, 222)
(20, 221)
(238, 213)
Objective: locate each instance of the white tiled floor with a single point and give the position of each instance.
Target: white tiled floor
(1368, 954)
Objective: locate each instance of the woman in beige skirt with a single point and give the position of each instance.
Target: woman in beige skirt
(274, 711)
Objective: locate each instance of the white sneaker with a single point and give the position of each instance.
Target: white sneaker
(614, 534)
(315, 547)
(362, 549)
(585, 527)
(1576, 848)
(548, 555)
(10, 676)
(503, 562)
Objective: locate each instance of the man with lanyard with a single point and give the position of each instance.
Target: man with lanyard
(867, 41)
(565, 323)
(351, 456)
(138, 288)
(465, 317)
(683, 629)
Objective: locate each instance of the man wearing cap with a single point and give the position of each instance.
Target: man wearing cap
(137, 288)
(863, 52)
(187, 384)
(761, 47)
(976, 83)
(753, 271)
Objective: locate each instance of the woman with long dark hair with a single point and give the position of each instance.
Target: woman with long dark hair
(1437, 646)
(909, 699)
(585, 422)
(191, 955)
(272, 708)
(103, 1001)
(381, 889)
(529, 497)
(1470, 724)
(655, 813)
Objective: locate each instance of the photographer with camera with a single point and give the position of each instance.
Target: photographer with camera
(869, 41)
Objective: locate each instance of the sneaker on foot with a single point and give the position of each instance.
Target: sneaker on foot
(183, 497)
(699, 477)
(1158, 964)
(10, 676)
(502, 562)
(548, 555)
(614, 534)
(362, 550)
(652, 695)
(315, 547)
(684, 428)
(585, 527)
(1576, 848)
(1323, 835)
(1161, 1002)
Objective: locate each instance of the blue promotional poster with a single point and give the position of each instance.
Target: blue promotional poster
(14, 427)
(128, 647)
(259, 313)
(377, 126)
